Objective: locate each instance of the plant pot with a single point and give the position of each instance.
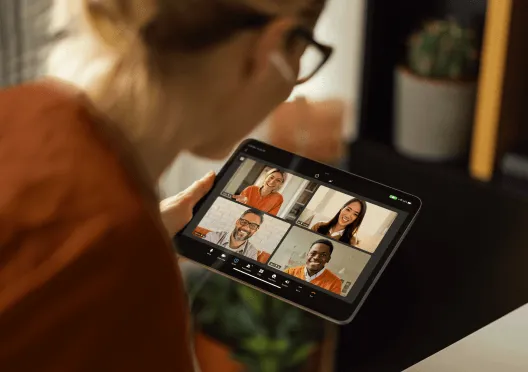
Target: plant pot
(432, 118)
(213, 356)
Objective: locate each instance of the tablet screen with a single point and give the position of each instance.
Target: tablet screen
(300, 230)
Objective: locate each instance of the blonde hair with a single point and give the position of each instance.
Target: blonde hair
(277, 170)
(103, 69)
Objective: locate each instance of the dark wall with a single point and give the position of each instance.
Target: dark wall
(388, 25)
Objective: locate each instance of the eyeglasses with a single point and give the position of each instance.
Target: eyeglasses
(314, 56)
(251, 225)
(230, 20)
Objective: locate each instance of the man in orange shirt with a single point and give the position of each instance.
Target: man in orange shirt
(314, 271)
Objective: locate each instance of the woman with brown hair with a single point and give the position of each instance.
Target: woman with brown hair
(88, 279)
(265, 197)
(345, 224)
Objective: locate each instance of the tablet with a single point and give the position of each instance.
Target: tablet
(301, 231)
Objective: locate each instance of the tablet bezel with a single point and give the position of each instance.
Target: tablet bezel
(333, 309)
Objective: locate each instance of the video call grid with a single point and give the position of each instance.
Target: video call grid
(296, 222)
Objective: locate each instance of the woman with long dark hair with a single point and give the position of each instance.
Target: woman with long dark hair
(345, 224)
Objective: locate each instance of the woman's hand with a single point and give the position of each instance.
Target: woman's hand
(177, 211)
(240, 199)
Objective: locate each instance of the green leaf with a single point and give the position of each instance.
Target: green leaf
(279, 346)
(440, 50)
(269, 364)
(258, 345)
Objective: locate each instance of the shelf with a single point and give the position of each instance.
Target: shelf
(384, 165)
(491, 89)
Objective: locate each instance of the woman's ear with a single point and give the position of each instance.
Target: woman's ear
(118, 22)
(270, 49)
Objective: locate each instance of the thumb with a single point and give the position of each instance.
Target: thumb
(200, 188)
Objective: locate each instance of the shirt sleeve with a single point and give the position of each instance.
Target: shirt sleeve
(96, 296)
(275, 210)
(245, 192)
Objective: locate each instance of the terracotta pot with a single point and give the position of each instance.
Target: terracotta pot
(313, 364)
(311, 129)
(213, 356)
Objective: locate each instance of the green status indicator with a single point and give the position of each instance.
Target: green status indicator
(393, 197)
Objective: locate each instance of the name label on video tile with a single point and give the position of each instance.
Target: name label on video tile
(303, 224)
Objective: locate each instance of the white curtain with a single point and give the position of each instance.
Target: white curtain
(23, 39)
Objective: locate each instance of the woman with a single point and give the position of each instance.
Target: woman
(87, 274)
(266, 197)
(345, 224)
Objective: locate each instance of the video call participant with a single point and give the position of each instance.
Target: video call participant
(265, 197)
(314, 271)
(345, 224)
(238, 240)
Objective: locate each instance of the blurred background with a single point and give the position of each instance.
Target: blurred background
(428, 97)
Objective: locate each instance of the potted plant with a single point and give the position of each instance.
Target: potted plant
(241, 329)
(435, 92)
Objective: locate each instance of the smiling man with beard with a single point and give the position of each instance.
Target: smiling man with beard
(314, 271)
(238, 240)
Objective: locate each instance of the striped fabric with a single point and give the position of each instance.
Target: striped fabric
(23, 39)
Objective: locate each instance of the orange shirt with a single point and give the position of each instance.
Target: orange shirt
(327, 280)
(270, 203)
(88, 280)
(263, 257)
